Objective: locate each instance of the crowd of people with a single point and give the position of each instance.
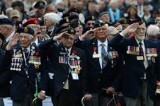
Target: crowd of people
(80, 52)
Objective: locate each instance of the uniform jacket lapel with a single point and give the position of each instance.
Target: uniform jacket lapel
(134, 43)
(96, 60)
(64, 66)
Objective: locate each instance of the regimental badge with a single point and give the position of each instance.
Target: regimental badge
(40, 4)
(26, 29)
(72, 31)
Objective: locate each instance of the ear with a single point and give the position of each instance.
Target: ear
(32, 38)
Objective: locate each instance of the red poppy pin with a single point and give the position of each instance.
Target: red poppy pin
(74, 52)
(94, 48)
(36, 53)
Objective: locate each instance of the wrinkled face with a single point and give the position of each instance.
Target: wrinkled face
(68, 40)
(105, 18)
(140, 32)
(25, 39)
(48, 23)
(101, 33)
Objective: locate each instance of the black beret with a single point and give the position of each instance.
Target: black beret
(5, 21)
(138, 19)
(26, 30)
(68, 30)
(89, 18)
(59, 29)
(40, 4)
(99, 24)
(102, 13)
(75, 23)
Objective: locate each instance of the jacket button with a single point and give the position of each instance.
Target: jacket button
(63, 82)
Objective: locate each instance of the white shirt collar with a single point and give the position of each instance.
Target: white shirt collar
(28, 48)
(69, 50)
(105, 43)
(139, 42)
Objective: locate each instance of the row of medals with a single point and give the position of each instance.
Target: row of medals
(17, 59)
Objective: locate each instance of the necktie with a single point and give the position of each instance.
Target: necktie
(141, 53)
(67, 52)
(26, 53)
(103, 55)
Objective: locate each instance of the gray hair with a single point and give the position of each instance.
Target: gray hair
(55, 18)
(153, 30)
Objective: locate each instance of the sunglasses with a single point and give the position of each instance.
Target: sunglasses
(90, 23)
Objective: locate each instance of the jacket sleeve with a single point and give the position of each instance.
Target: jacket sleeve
(44, 50)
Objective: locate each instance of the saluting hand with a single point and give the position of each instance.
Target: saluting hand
(13, 41)
(89, 34)
(59, 36)
(131, 28)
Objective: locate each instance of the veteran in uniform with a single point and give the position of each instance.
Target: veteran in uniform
(102, 61)
(4, 84)
(141, 68)
(66, 69)
(7, 29)
(23, 61)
